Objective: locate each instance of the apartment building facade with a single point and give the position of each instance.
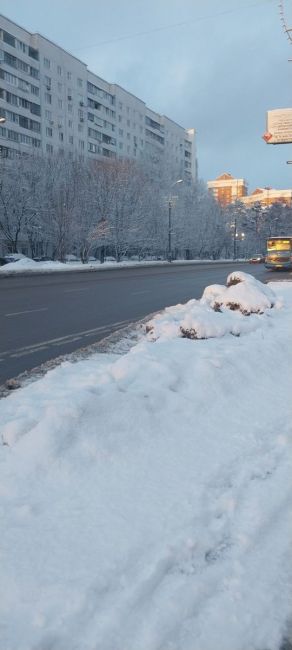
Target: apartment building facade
(267, 196)
(227, 189)
(51, 102)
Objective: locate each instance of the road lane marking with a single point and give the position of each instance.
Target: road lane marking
(70, 338)
(74, 290)
(27, 311)
(137, 293)
(26, 352)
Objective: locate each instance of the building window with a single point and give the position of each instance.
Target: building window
(48, 115)
(48, 81)
(33, 53)
(8, 38)
(10, 60)
(60, 103)
(10, 78)
(121, 132)
(49, 148)
(70, 124)
(69, 76)
(48, 98)
(34, 72)
(11, 99)
(70, 139)
(49, 132)
(47, 63)
(34, 90)
(96, 135)
(59, 70)
(79, 83)
(60, 87)
(61, 137)
(22, 66)
(81, 144)
(12, 135)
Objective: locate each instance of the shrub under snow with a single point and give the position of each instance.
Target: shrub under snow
(220, 311)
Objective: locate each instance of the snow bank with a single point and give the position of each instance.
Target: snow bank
(48, 267)
(22, 265)
(220, 311)
(26, 264)
(146, 499)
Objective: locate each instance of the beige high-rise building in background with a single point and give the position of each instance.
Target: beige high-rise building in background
(267, 196)
(227, 189)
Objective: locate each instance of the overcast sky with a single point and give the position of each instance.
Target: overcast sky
(216, 65)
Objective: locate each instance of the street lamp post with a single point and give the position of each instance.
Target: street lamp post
(170, 203)
(237, 236)
(234, 239)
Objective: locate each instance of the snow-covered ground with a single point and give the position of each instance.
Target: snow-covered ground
(27, 265)
(145, 498)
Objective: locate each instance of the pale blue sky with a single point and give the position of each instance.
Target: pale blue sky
(218, 71)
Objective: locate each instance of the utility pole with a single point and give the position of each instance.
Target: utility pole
(169, 251)
(170, 204)
(234, 238)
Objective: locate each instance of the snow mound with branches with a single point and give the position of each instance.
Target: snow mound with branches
(220, 311)
(243, 293)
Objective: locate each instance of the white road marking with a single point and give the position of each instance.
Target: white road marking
(26, 352)
(73, 290)
(28, 311)
(137, 293)
(30, 349)
(71, 340)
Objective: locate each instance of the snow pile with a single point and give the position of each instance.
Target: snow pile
(196, 320)
(146, 499)
(220, 311)
(20, 265)
(26, 264)
(243, 292)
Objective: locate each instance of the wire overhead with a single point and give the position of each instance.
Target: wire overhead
(174, 25)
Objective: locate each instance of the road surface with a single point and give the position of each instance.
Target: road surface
(45, 316)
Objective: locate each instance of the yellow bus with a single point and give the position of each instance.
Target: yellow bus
(279, 253)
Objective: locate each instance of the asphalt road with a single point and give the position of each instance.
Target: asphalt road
(45, 316)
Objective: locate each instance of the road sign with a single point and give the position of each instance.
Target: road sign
(279, 126)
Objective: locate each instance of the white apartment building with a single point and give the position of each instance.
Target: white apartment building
(50, 102)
